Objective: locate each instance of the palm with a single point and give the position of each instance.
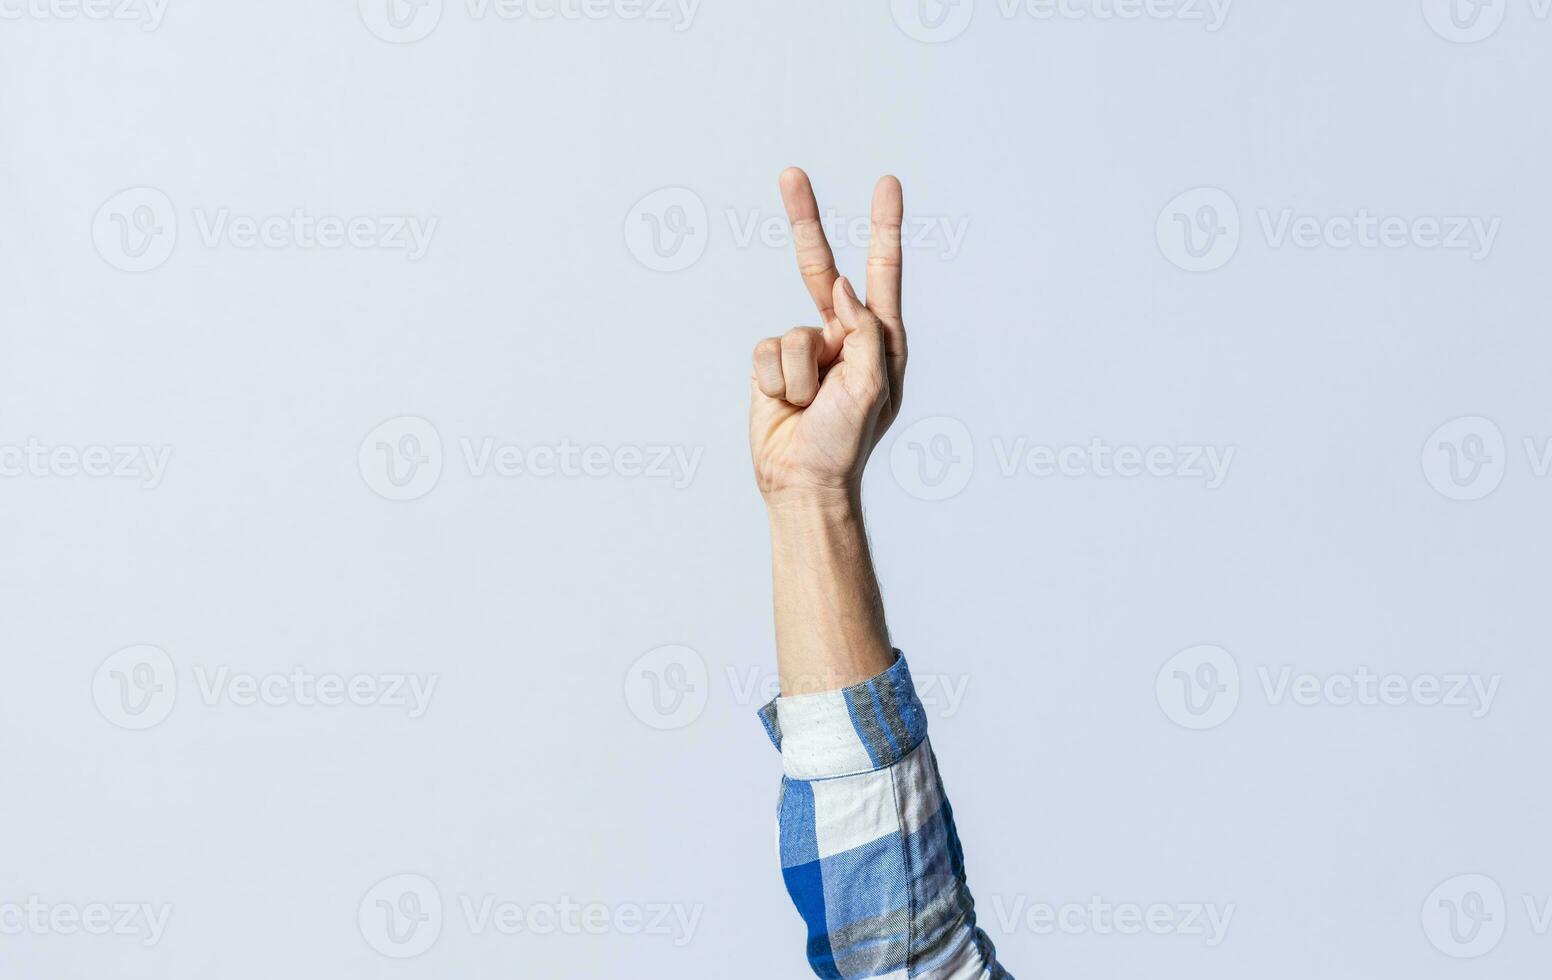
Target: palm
(823, 398)
(822, 441)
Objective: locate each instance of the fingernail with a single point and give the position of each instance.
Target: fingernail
(846, 285)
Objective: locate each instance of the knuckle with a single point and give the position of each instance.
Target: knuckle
(808, 232)
(886, 235)
(799, 341)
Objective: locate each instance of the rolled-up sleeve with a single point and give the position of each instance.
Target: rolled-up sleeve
(869, 852)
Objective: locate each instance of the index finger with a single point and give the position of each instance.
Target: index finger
(815, 260)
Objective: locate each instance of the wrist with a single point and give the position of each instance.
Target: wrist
(809, 505)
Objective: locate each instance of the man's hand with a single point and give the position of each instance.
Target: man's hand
(823, 397)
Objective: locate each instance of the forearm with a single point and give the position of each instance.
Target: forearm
(868, 846)
(830, 630)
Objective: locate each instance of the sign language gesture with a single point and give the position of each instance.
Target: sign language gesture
(824, 396)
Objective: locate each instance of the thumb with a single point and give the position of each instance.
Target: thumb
(864, 340)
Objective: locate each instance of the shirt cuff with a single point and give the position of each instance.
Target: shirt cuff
(862, 728)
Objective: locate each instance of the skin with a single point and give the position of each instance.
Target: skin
(822, 398)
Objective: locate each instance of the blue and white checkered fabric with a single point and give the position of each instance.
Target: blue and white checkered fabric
(868, 846)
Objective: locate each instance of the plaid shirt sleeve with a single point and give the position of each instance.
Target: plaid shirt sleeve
(868, 847)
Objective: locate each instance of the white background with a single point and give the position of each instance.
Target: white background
(540, 772)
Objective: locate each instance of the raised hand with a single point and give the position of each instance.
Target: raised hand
(824, 396)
